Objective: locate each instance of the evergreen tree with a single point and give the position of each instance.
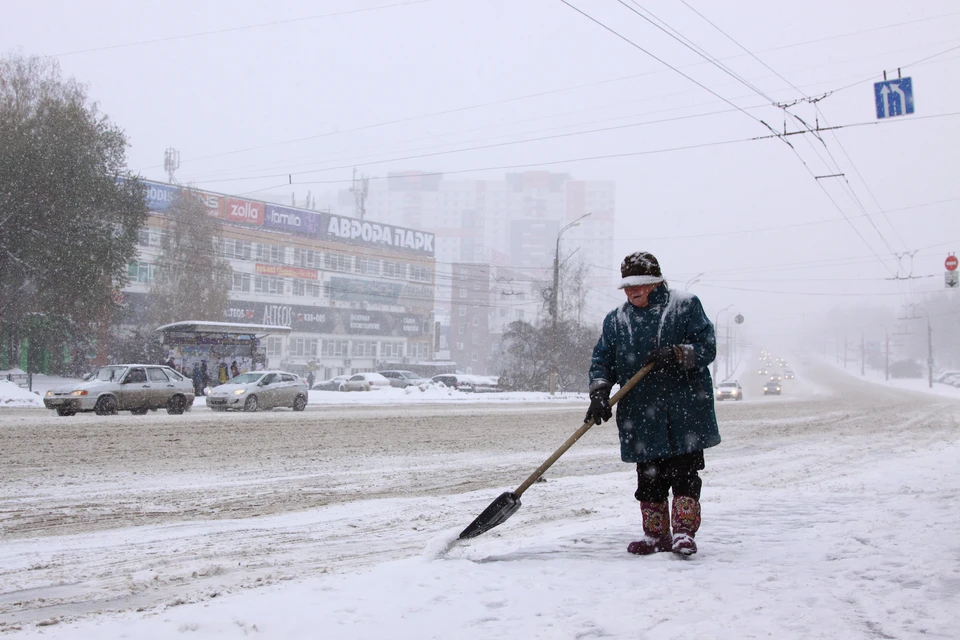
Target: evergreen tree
(68, 226)
(192, 281)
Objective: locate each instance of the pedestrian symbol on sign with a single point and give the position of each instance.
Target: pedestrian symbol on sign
(893, 97)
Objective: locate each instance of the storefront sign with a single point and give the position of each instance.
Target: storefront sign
(291, 220)
(286, 271)
(371, 291)
(159, 197)
(246, 211)
(353, 231)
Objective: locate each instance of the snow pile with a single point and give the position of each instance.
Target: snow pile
(13, 395)
(433, 392)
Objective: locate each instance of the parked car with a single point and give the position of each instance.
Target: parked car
(952, 380)
(469, 383)
(946, 375)
(136, 388)
(771, 388)
(333, 384)
(403, 379)
(729, 389)
(485, 384)
(260, 390)
(368, 381)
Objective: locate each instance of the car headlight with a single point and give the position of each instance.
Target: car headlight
(49, 393)
(79, 392)
(240, 392)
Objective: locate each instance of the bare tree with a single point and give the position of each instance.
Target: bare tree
(192, 281)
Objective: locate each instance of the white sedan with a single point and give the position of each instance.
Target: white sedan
(366, 382)
(260, 390)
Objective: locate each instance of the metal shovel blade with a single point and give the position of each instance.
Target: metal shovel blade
(499, 510)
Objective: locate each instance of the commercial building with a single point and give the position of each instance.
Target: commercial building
(358, 295)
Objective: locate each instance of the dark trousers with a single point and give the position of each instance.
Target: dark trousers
(656, 477)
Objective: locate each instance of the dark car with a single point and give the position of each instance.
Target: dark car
(454, 381)
(771, 388)
(333, 384)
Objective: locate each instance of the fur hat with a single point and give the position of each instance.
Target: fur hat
(638, 269)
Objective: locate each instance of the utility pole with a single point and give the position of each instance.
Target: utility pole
(844, 352)
(886, 353)
(929, 342)
(360, 188)
(863, 354)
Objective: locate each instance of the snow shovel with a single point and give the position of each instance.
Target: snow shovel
(508, 502)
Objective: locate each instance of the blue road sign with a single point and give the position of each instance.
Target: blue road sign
(893, 97)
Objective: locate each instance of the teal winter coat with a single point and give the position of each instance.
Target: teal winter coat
(670, 411)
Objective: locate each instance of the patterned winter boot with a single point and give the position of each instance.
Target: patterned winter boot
(686, 521)
(656, 529)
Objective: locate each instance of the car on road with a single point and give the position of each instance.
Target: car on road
(788, 374)
(763, 372)
(776, 378)
(333, 384)
(771, 388)
(257, 390)
(729, 389)
(403, 379)
(136, 388)
(369, 381)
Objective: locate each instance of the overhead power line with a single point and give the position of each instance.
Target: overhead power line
(665, 63)
(259, 25)
(538, 94)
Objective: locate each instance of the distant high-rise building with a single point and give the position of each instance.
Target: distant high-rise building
(509, 225)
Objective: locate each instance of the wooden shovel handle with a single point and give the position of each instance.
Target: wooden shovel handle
(630, 384)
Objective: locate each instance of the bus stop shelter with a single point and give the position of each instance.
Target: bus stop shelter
(191, 343)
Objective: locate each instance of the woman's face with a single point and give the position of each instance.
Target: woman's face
(637, 296)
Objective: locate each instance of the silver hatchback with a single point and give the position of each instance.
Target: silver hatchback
(136, 388)
(260, 390)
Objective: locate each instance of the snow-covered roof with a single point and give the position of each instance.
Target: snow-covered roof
(205, 326)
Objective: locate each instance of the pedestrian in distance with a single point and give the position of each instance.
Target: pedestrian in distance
(204, 375)
(222, 375)
(197, 379)
(310, 380)
(234, 369)
(667, 420)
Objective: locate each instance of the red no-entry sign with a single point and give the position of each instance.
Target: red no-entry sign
(951, 263)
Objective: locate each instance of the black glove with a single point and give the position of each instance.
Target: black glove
(664, 356)
(599, 410)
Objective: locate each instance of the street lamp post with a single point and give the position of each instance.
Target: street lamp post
(715, 325)
(554, 294)
(694, 280)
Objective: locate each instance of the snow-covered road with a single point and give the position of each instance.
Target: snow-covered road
(134, 513)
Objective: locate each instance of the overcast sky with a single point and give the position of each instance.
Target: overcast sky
(249, 92)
